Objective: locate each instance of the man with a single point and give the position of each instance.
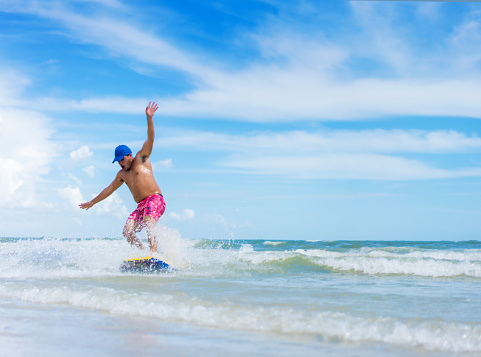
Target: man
(137, 173)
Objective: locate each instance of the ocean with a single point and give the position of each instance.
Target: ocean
(238, 297)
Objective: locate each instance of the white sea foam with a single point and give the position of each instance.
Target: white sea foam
(60, 258)
(97, 257)
(223, 285)
(467, 255)
(430, 334)
(268, 242)
(247, 254)
(422, 263)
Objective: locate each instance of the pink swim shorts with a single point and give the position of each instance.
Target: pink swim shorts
(153, 206)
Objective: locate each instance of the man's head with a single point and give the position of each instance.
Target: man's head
(121, 152)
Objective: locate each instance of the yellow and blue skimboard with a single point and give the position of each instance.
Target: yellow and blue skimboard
(144, 265)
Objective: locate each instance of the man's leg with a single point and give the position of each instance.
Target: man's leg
(132, 226)
(151, 235)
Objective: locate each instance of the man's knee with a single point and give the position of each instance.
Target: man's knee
(129, 228)
(149, 222)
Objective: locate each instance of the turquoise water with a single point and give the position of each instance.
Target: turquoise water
(241, 297)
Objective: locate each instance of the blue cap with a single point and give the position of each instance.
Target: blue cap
(121, 151)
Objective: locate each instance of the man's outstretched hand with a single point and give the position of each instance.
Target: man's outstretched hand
(150, 110)
(86, 205)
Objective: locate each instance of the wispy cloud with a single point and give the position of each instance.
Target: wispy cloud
(325, 141)
(26, 153)
(119, 36)
(163, 164)
(346, 166)
(81, 153)
(12, 86)
(186, 215)
(111, 205)
(300, 77)
(74, 63)
(365, 155)
(89, 170)
(72, 195)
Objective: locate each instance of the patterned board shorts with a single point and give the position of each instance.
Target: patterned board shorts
(153, 206)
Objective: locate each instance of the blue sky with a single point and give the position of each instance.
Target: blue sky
(317, 120)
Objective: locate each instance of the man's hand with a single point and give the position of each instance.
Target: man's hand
(86, 205)
(150, 110)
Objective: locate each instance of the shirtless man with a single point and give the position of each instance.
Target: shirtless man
(137, 173)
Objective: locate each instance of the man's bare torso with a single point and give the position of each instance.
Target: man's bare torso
(140, 179)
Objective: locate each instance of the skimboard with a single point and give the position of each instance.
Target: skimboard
(144, 265)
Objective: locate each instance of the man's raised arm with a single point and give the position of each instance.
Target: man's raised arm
(104, 194)
(149, 143)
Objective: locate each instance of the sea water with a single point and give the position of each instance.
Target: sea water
(241, 297)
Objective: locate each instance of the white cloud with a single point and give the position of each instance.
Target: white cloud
(12, 83)
(89, 170)
(11, 181)
(118, 36)
(429, 10)
(163, 164)
(342, 154)
(386, 41)
(112, 204)
(326, 141)
(174, 215)
(25, 154)
(294, 92)
(112, 104)
(217, 219)
(82, 152)
(348, 166)
(75, 178)
(72, 195)
(270, 95)
(301, 76)
(186, 215)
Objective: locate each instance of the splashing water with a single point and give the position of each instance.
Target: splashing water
(419, 296)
